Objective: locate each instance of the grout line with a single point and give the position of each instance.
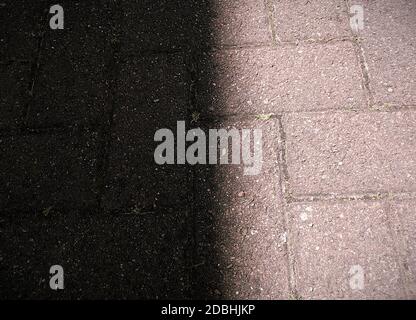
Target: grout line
(362, 62)
(105, 138)
(240, 116)
(207, 118)
(398, 247)
(271, 19)
(32, 130)
(192, 229)
(365, 196)
(285, 194)
(106, 127)
(14, 60)
(192, 73)
(282, 156)
(43, 18)
(280, 44)
(249, 45)
(364, 72)
(34, 77)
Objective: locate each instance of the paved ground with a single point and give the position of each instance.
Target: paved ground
(79, 186)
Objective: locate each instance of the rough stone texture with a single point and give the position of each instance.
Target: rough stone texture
(328, 239)
(287, 78)
(73, 76)
(103, 256)
(403, 215)
(172, 25)
(151, 95)
(14, 93)
(41, 171)
(19, 29)
(310, 19)
(389, 40)
(85, 192)
(346, 153)
(240, 238)
(161, 25)
(239, 22)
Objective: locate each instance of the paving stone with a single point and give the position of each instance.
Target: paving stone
(40, 171)
(161, 25)
(14, 93)
(280, 79)
(389, 41)
(332, 243)
(347, 153)
(173, 25)
(103, 256)
(313, 19)
(239, 230)
(90, 28)
(152, 95)
(238, 22)
(403, 215)
(20, 25)
(69, 91)
(72, 85)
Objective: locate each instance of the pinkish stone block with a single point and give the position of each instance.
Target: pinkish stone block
(347, 153)
(334, 243)
(280, 79)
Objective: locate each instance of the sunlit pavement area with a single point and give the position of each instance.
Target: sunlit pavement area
(332, 214)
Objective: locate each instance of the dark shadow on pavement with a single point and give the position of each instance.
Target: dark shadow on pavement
(79, 186)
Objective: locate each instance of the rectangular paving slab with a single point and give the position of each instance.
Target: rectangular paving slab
(44, 171)
(287, 78)
(347, 153)
(72, 84)
(239, 227)
(310, 19)
(344, 250)
(152, 94)
(388, 40)
(103, 256)
(20, 26)
(161, 25)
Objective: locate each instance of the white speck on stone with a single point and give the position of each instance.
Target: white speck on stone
(303, 216)
(283, 237)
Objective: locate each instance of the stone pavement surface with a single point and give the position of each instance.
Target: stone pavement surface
(332, 214)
